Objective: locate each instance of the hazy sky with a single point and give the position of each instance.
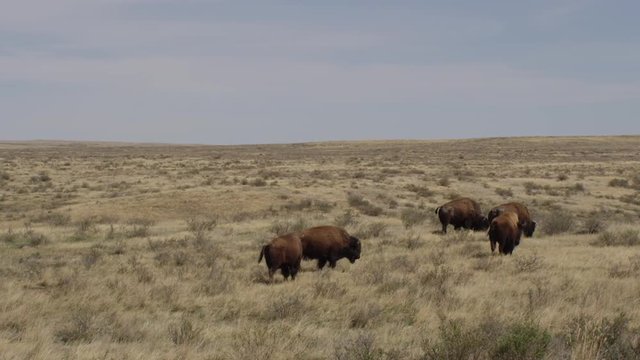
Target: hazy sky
(228, 72)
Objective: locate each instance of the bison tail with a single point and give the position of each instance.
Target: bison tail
(438, 210)
(262, 252)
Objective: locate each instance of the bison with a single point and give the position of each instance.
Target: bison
(285, 253)
(329, 243)
(505, 230)
(528, 225)
(462, 213)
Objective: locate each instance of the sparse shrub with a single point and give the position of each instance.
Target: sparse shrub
(576, 188)
(79, 327)
(41, 177)
(524, 341)
(127, 332)
(459, 236)
(624, 183)
(257, 182)
(323, 206)
(453, 195)
(532, 188)
(436, 283)
(328, 288)
(86, 225)
(411, 217)
(562, 177)
(4, 176)
(444, 181)
(14, 329)
(372, 230)
(421, 191)
(623, 237)
(286, 305)
(557, 222)
(505, 193)
(184, 332)
(619, 271)
(200, 227)
(180, 258)
(298, 206)
(359, 347)
(474, 250)
(54, 218)
(91, 258)
(364, 315)
(281, 227)
(28, 237)
(456, 342)
(363, 205)
(118, 248)
(347, 218)
(608, 339)
(594, 224)
(413, 241)
(139, 228)
(631, 198)
(528, 263)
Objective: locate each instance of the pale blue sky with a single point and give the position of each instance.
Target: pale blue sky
(228, 72)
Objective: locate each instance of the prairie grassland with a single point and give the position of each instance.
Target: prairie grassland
(125, 251)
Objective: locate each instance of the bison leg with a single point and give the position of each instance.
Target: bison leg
(332, 263)
(444, 228)
(285, 271)
(321, 263)
(294, 272)
(493, 246)
(271, 272)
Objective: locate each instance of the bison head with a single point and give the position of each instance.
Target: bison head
(353, 251)
(494, 213)
(481, 223)
(529, 228)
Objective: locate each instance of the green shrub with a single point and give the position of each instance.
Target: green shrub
(522, 341)
(456, 343)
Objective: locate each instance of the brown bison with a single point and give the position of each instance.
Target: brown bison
(284, 253)
(329, 243)
(528, 225)
(462, 213)
(505, 230)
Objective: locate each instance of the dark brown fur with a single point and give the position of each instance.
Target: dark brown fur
(462, 213)
(505, 230)
(528, 225)
(284, 253)
(329, 243)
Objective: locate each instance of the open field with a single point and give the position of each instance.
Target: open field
(124, 251)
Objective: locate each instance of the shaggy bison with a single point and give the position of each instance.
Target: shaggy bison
(284, 253)
(462, 213)
(528, 225)
(505, 230)
(329, 243)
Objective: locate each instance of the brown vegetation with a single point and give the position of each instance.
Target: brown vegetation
(147, 251)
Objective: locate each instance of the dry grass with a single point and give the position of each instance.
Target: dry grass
(146, 251)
